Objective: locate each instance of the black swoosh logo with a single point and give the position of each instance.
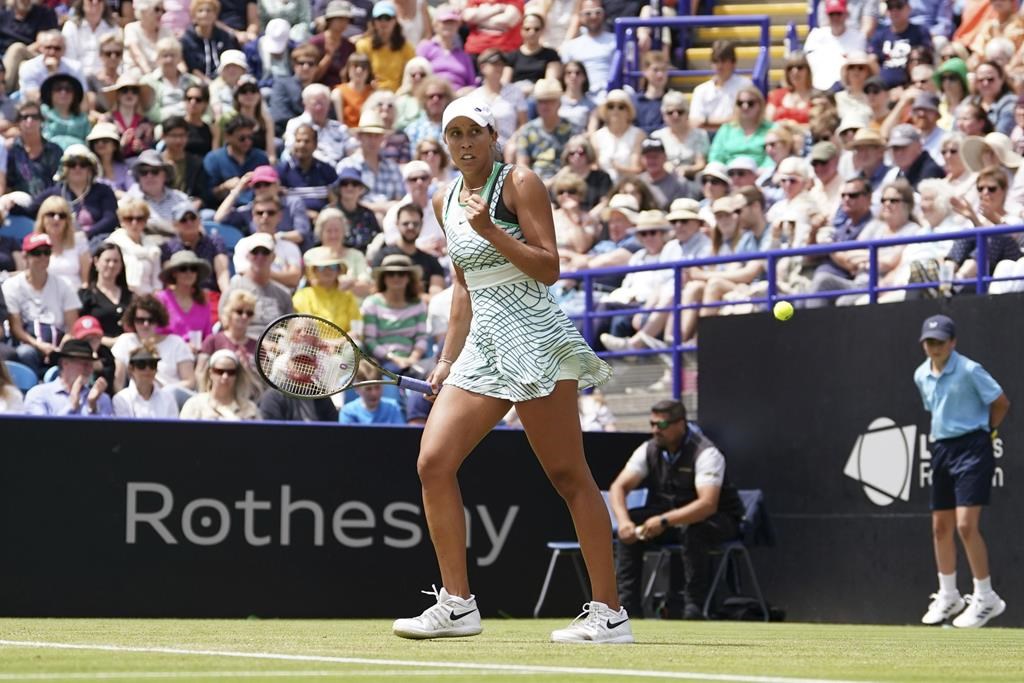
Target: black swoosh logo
(455, 617)
(615, 624)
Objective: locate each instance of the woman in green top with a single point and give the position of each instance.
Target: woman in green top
(64, 123)
(744, 135)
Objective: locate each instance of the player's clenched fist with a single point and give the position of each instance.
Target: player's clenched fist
(477, 214)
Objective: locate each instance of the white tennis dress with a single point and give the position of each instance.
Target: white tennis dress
(520, 343)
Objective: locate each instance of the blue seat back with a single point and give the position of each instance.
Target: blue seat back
(16, 227)
(23, 376)
(229, 234)
(637, 498)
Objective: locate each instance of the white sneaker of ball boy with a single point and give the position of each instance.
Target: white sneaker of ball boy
(981, 607)
(454, 617)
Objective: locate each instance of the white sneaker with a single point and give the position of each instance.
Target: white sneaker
(980, 610)
(613, 343)
(451, 617)
(942, 607)
(597, 624)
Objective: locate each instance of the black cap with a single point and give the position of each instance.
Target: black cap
(938, 327)
(876, 81)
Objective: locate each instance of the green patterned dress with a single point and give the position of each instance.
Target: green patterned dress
(520, 343)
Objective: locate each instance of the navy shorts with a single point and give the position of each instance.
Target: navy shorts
(962, 469)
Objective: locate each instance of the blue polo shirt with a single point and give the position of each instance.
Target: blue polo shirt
(220, 166)
(387, 413)
(959, 398)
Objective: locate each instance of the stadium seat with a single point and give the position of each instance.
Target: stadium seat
(16, 227)
(636, 498)
(51, 373)
(24, 377)
(228, 233)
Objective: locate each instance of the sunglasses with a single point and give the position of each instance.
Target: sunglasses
(796, 66)
(856, 67)
(260, 251)
(30, 117)
(736, 172)
(950, 152)
(852, 195)
(323, 268)
(144, 364)
(578, 152)
(351, 183)
(188, 218)
(747, 104)
(133, 219)
(419, 179)
(244, 138)
(647, 233)
(988, 189)
(222, 372)
(112, 53)
(892, 200)
(187, 269)
(613, 107)
(715, 181)
(396, 274)
(260, 184)
(384, 17)
(819, 162)
(149, 170)
(305, 63)
(265, 212)
(248, 90)
(77, 163)
(129, 90)
(41, 252)
(664, 424)
(62, 87)
(675, 112)
(245, 312)
(872, 91)
(144, 321)
(55, 215)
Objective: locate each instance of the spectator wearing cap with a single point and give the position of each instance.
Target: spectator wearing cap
(539, 143)
(293, 222)
(88, 329)
(363, 227)
(664, 185)
(332, 46)
(204, 42)
(272, 299)
(617, 143)
(891, 42)
(713, 102)
(827, 45)
(745, 134)
(32, 160)
(742, 172)
(685, 146)
(142, 398)
(925, 117)
(333, 139)
(64, 122)
(307, 178)
(93, 203)
(247, 101)
(266, 219)
(909, 157)
(233, 66)
(445, 53)
(323, 297)
(381, 176)
(39, 307)
(154, 179)
(851, 100)
(828, 183)
(878, 101)
(409, 218)
(593, 48)
(505, 100)
(224, 388)
(190, 236)
(386, 46)
(106, 295)
(188, 310)
(52, 59)
(141, 260)
(226, 166)
(715, 184)
(277, 19)
(72, 392)
(417, 182)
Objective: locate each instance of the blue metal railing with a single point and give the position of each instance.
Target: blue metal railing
(625, 60)
(771, 258)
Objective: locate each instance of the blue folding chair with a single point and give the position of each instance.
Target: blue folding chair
(634, 499)
(24, 377)
(16, 227)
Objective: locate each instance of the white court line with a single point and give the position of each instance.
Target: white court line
(296, 673)
(499, 668)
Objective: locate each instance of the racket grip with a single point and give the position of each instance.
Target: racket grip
(415, 385)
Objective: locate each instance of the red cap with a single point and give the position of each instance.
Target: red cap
(86, 326)
(833, 6)
(35, 240)
(264, 174)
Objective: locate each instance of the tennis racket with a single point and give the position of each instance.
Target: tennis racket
(308, 357)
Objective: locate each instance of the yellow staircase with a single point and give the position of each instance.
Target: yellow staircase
(747, 38)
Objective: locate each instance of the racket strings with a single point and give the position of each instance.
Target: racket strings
(308, 358)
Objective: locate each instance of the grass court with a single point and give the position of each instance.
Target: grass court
(514, 649)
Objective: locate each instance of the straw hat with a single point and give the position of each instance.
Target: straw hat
(128, 80)
(652, 220)
(322, 256)
(715, 169)
(104, 130)
(625, 204)
(398, 263)
(78, 151)
(684, 209)
(999, 144)
(866, 137)
(182, 259)
(371, 122)
(858, 58)
(621, 97)
(547, 89)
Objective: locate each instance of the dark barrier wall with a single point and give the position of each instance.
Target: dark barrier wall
(822, 412)
(110, 518)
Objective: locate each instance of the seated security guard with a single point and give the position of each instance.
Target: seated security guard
(690, 502)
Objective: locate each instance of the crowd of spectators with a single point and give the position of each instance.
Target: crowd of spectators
(187, 172)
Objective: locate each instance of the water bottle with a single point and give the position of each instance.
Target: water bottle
(946, 278)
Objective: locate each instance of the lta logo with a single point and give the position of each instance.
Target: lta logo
(883, 460)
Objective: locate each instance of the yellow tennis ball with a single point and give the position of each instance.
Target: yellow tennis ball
(783, 310)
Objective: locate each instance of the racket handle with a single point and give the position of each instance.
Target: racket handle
(415, 385)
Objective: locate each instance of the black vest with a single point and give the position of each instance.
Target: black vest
(672, 485)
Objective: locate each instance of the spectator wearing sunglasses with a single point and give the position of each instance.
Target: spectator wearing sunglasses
(745, 134)
(226, 166)
(292, 223)
(236, 310)
(188, 309)
(190, 236)
(324, 297)
(285, 102)
(93, 204)
(416, 175)
(176, 368)
(142, 398)
(32, 160)
(892, 42)
(154, 185)
(51, 60)
(225, 389)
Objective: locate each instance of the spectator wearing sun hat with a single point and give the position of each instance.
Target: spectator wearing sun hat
(72, 392)
(204, 42)
(323, 297)
(64, 122)
(381, 176)
(335, 48)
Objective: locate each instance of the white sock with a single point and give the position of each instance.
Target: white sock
(947, 584)
(983, 586)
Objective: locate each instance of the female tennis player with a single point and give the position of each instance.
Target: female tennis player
(507, 343)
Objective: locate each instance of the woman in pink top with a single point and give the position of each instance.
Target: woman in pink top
(444, 51)
(187, 308)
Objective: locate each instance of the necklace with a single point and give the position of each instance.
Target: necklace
(474, 189)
